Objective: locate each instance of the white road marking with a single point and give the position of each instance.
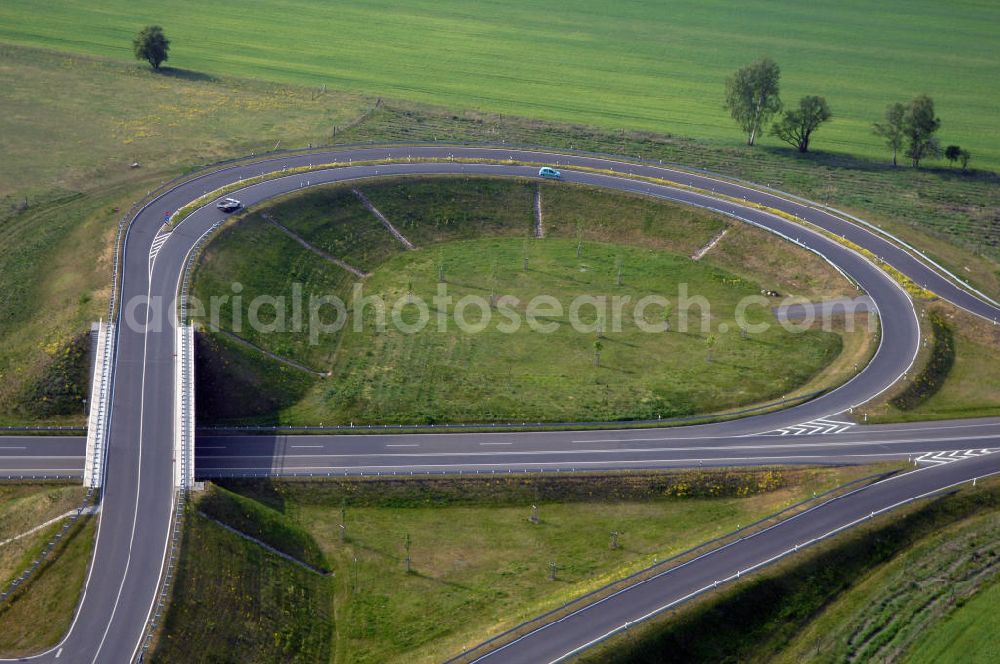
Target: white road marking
(303, 447)
(826, 444)
(942, 458)
(403, 445)
(873, 428)
(539, 464)
(820, 426)
(154, 249)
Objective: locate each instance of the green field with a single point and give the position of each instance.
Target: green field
(649, 66)
(970, 630)
(477, 234)
(478, 564)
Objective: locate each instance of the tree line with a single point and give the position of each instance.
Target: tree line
(753, 100)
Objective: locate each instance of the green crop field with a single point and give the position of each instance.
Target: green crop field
(640, 65)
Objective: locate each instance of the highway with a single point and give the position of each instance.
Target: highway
(138, 495)
(563, 451)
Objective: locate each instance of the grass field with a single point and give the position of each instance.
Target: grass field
(40, 612)
(883, 592)
(630, 65)
(477, 233)
(478, 563)
(970, 630)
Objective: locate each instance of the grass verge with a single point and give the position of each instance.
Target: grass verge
(40, 612)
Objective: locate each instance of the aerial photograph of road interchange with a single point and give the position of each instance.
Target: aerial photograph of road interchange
(499, 332)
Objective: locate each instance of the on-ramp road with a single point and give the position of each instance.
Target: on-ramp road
(138, 491)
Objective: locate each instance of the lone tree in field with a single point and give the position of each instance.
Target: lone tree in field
(892, 129)
(797, 125)
(954, 153)
(752, 96)
(919, 125)
(151, 45)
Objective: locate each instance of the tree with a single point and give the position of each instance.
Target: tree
(752, 96)
(963, 157)
(797, 125)
(598, 347)
(951, 153)
(666, 316)
(919, 125)
(955, 153)
(151, 45)
(892, 129)
(710, 345)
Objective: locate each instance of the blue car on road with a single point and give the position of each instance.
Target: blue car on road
(547, 172)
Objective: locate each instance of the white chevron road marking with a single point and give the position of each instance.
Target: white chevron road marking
(941, 458)
(822, 425)
(158, 242)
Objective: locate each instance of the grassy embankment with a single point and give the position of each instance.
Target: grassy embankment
(40, 612)
(955, 374)
(69, 161)
(897, 589)
(478, 563)
(477, 235)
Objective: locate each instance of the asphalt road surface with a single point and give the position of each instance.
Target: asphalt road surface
(138, 492)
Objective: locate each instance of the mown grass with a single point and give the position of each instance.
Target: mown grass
(640, 66)
(452, 376)
(970, 630)
(478, 564)
(448, 375)
(866, 594)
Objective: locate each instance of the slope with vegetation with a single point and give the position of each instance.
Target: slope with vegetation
(474, 238)
(425, 567)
